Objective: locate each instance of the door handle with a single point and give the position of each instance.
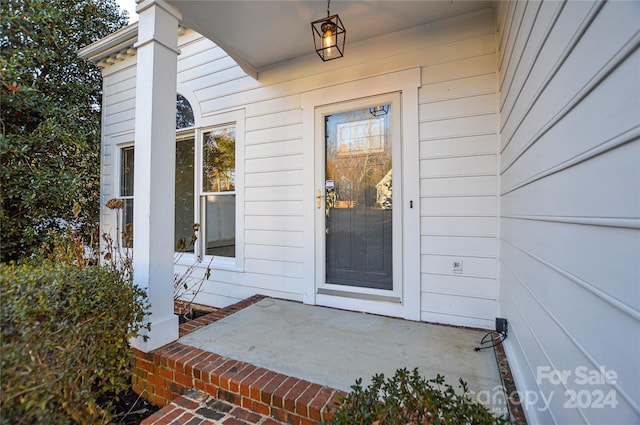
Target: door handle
(319, 197)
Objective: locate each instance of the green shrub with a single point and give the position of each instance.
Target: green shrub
(408, 398)
(65, 332)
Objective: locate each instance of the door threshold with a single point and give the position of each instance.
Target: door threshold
(359, 295)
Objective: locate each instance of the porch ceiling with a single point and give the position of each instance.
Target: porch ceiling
(260, 34)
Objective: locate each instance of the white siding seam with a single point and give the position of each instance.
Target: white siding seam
(269, 170)
(465, 77)
(512, 46)
(501, 16)
(633, 403)
(222, 111)
(122, 133)
(506, 33)
(547, 33)
(454, 156)
(240, 76)
(620, 140)
(598, 293)
(239, 104)
(114, 92)
(468, 155)
(275, 274)
(207, 62)
(126, 116)
(279, 185)
(440, 176)
(584, 26)
(273, 112)
(524, 49)
(189, 43)
(126, 99)
(627, 223)
(271, 127)
(264, 143)
(532, 370)
(113, 77)
(462, 235)
(449, 294)
(448, 313)
(280, 260)
(466, 275)
(258, 156)
(211, 73)
(468, 96)
(445, 254)
(460, 135)
(425, 215)
(461, 256)
(452, 117)
(460, 195)
(464, 96)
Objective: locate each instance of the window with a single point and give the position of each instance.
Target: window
(212, 219)
(185, 216)
(361, 136)
(126, 194)
(184, 113)
(218, 196)
(205, 187)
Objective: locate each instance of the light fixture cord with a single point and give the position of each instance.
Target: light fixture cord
(328, 8)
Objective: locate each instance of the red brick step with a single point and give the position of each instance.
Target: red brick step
(172, 371)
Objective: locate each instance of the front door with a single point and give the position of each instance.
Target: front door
(357, 194)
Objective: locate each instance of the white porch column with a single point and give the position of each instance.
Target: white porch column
(154, 173)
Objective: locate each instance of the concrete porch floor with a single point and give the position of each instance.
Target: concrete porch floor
(335, 347)
(278, 358)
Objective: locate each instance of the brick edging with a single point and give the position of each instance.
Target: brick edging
(514, 404)
(170, 371)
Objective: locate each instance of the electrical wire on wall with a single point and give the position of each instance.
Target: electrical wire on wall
(501, 330)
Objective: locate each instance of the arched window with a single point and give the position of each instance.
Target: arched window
(184, 113)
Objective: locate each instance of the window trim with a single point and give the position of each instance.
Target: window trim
(184, 134)
(237, 119)
(118, 190)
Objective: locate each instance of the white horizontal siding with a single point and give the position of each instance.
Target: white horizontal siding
(570, 200)
(118, 110)
(459, 186)
(459, 226)
(458, 140)
(458, 183)
(457, 145)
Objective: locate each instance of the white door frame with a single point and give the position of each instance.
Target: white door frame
(406, 82)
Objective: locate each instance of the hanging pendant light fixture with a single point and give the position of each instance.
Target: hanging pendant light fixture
(378, 111)
(329, 36)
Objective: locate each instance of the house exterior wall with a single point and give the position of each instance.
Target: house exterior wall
(457, 142)
(570, 206)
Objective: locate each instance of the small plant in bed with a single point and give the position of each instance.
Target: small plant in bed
(408, 398)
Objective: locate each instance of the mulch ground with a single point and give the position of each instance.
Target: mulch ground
(131, 409)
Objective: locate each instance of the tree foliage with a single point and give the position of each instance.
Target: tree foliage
(50, 112)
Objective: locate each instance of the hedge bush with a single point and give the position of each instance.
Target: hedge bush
(65, 332)
(408, 398)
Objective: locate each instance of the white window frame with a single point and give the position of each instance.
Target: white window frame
(118, 189)
(182, 134)
(232, 118)
(227, 119)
